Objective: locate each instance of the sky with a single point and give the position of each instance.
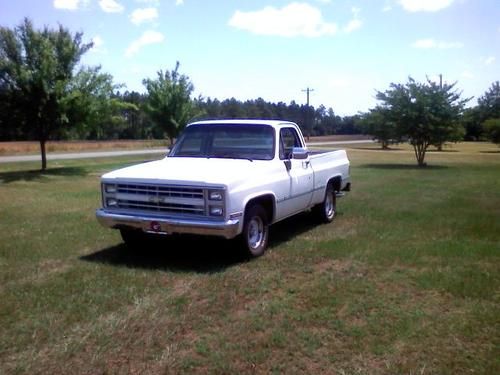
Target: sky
(344, 51)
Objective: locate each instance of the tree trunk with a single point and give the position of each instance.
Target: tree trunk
(44, 156)
(420, 154)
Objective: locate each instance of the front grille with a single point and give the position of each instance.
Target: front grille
(161, 199)
(164, 191)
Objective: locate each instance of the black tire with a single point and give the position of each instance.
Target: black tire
(133, 238)
(325, 211)
(255, 233)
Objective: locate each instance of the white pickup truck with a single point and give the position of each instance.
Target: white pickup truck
(225, 178)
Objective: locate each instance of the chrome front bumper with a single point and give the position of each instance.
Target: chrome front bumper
(151, 224)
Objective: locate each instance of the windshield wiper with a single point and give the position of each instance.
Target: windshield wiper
(228, 156)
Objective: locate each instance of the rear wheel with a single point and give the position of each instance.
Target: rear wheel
(255, 233)
(326, 210)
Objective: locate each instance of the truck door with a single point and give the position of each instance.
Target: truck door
(299, 173)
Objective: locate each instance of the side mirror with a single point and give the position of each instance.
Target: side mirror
(299, 153)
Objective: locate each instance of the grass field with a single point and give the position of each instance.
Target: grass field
(406, 280)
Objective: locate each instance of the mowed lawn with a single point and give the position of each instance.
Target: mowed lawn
(406, 280)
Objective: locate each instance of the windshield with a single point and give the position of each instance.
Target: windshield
(253, 142)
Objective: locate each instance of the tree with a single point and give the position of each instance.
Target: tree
(349, 125)
(488, 112)
(138, 123)
(426, 113)
(378, 123)
(489, 103)
(93, 106)
(36, 69)
(492, 129)
(169, 101)
(471, 121)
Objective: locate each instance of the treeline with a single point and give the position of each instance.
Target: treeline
(130, 119)
(136, 124)
(313, 121)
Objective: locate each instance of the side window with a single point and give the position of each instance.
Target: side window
(288, 140)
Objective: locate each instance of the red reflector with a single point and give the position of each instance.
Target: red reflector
(155, 226)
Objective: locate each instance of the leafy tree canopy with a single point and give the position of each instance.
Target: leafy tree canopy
(36, 71)
(378, 123)
(169, 101)
(492, 129)
(426, 113)
(489, 103)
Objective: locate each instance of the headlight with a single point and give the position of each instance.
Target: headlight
(216, 211)
(111, 202)
(110, 188)
(215, 195)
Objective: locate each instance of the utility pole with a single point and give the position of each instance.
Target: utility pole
(440, 146)
(308, 123)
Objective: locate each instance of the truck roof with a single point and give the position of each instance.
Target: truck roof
(244, 122)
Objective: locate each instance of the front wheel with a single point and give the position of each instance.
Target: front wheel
(255, 233)
(326, 210)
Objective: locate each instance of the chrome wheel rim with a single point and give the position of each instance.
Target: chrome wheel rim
(255, 232)
(330, 205)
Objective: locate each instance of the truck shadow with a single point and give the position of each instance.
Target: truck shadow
(289, 228)
(186, 253)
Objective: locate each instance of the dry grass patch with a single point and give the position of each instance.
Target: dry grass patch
(15, 148)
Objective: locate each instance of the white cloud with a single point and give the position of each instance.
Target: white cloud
(431, 43)
(355, 23)
(150, 2)
(488, 60)
(98, 42)
(424, 43)
(69, 4)
(111, 6)
(179, 2)
(141, 15)
(148, 37)
(98, 46)
(295, 19)
(339, 82)
(466, 74)
(425, 5)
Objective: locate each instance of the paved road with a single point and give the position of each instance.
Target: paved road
(81, 155)
(104, 154)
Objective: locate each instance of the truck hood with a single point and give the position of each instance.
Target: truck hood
(181, 170)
